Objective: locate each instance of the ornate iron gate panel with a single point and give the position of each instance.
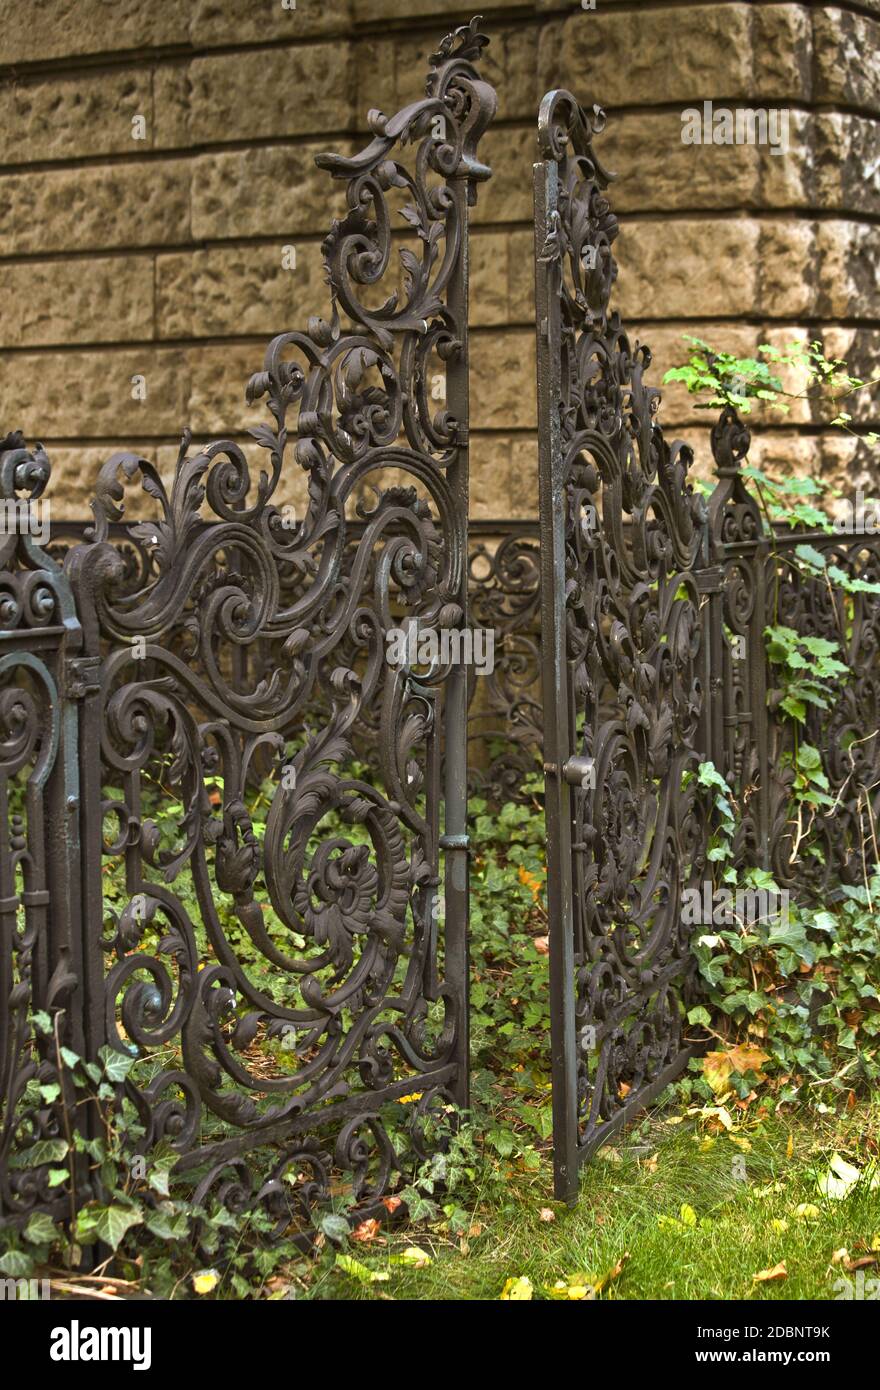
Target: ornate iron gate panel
(300, 990)
(623, 538)
(767, 578)
(41, 996)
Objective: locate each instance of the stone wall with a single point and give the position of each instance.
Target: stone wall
(161, 258)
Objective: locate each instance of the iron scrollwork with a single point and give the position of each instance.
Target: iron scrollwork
(623, 534)
(40, 983)
(301, 979)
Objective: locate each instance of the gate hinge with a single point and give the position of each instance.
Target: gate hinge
(82, 676)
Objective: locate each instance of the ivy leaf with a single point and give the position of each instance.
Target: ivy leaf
(44, 1151)
(117, 1065)
(40, 1229)
(108, 1224)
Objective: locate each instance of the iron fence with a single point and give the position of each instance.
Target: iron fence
(280, 998)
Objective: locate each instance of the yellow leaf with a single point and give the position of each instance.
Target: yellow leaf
(741, 1142)
(413, 1257)
(764, 1276)
(204, 1280)
(717, 1066)
(716, 1069)
(840, 1256)
(806, 1211)
(408, 1100)
(688, 1215)
(768, 1190)
(745, 1059)
(356, 1270)
(789, 1148)
(779, 1224)
(517, 1290)
(575, 1288)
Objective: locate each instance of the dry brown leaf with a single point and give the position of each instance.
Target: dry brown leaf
(546, 1214)
(764, 1276)
(366, 1231)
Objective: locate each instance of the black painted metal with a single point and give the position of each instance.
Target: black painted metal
(654, 609)
(760, 581)
(158, 679)
(215, 659)
(622, 532)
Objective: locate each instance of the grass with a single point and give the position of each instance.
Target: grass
(631, 1204)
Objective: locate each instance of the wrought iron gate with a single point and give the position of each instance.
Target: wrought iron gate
(289, 999)
(623, 537)
(301, 992)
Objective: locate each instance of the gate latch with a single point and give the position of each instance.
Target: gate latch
(580, 772)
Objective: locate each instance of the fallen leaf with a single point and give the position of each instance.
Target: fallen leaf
(518, 1290)
(542, 946)
(764, 1276)
(717, 1069)
(807, 1211)
(392, 1203)
(576, 1288)
(366, 1231)
(356, 1270)
(789, 1148)
(842, 1177)
(863, 1262)
(779, 1224)
(204, 1280)
(748, 1058)
(840, 1256)
(546, 1214)
(768, 1190)
(413, 1257)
